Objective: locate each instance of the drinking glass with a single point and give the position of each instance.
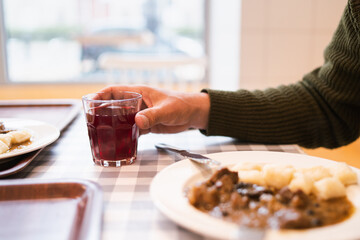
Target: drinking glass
(111, 126)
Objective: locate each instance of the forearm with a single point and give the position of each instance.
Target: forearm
(283, 115)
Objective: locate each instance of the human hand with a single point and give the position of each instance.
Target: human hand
(167, 111)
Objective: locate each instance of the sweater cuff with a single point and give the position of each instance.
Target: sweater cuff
(221, 105)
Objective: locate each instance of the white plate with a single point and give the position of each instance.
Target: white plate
(42, 133)
(168, 193)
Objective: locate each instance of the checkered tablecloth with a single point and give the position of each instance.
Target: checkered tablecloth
(129, 212)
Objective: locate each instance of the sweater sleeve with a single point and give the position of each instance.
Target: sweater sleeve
(321, 110)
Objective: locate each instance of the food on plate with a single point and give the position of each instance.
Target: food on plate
(13, 139)
(249, 166)
(252, 176)
(6, 139)
(277, 176)
(344, 173)
(316, 173)
(3, 129)
(329, 187)
(3, 147)
(276, 196)
(301, 181)
(19, 136)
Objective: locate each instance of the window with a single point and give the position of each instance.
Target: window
(73, 40)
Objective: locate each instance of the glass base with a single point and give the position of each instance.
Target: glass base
(114, 163)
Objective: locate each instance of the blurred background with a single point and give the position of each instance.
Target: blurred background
(173, 43)
(67, 48)
(79, 41)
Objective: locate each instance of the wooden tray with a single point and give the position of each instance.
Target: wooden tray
(59, 112)
(50, 209)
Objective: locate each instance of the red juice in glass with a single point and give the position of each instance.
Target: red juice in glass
(113, 133)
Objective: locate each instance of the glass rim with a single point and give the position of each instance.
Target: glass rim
(136, 97)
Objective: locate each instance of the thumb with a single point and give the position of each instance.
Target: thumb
(142, 121)
(149, 117)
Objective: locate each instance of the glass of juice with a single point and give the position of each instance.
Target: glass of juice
(112, 131)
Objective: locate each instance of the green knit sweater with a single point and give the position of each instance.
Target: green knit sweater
(321, 110)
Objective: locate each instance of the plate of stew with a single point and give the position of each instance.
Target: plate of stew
(289, 216)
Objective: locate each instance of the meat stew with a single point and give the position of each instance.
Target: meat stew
(224, 196)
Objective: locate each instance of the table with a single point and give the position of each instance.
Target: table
(129, 212)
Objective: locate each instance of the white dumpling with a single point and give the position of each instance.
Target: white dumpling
(251, 176)
(3, 147)
(6, 138)
(300, 181)
(19, 136)
(344, 173)
(247, 166)
(277, 176)
(329, 187)
(317, 173)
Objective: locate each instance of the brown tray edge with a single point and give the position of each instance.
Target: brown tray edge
(91, 226)
(75, 105)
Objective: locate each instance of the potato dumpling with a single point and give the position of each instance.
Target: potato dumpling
(251, 176)
(329, 187)
(19, 136)
(247, 166)
(6, 138)
(344, 173)
(3, 147)
(300, 181)
(321, 181)
(317, 173)
(277, 176)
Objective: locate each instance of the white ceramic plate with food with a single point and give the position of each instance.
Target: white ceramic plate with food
(169, 186)
(42, 134)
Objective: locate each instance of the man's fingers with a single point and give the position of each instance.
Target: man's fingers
(150, 117)
(115, 91)
(163, 129)
(168, 129)
(142, 121)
